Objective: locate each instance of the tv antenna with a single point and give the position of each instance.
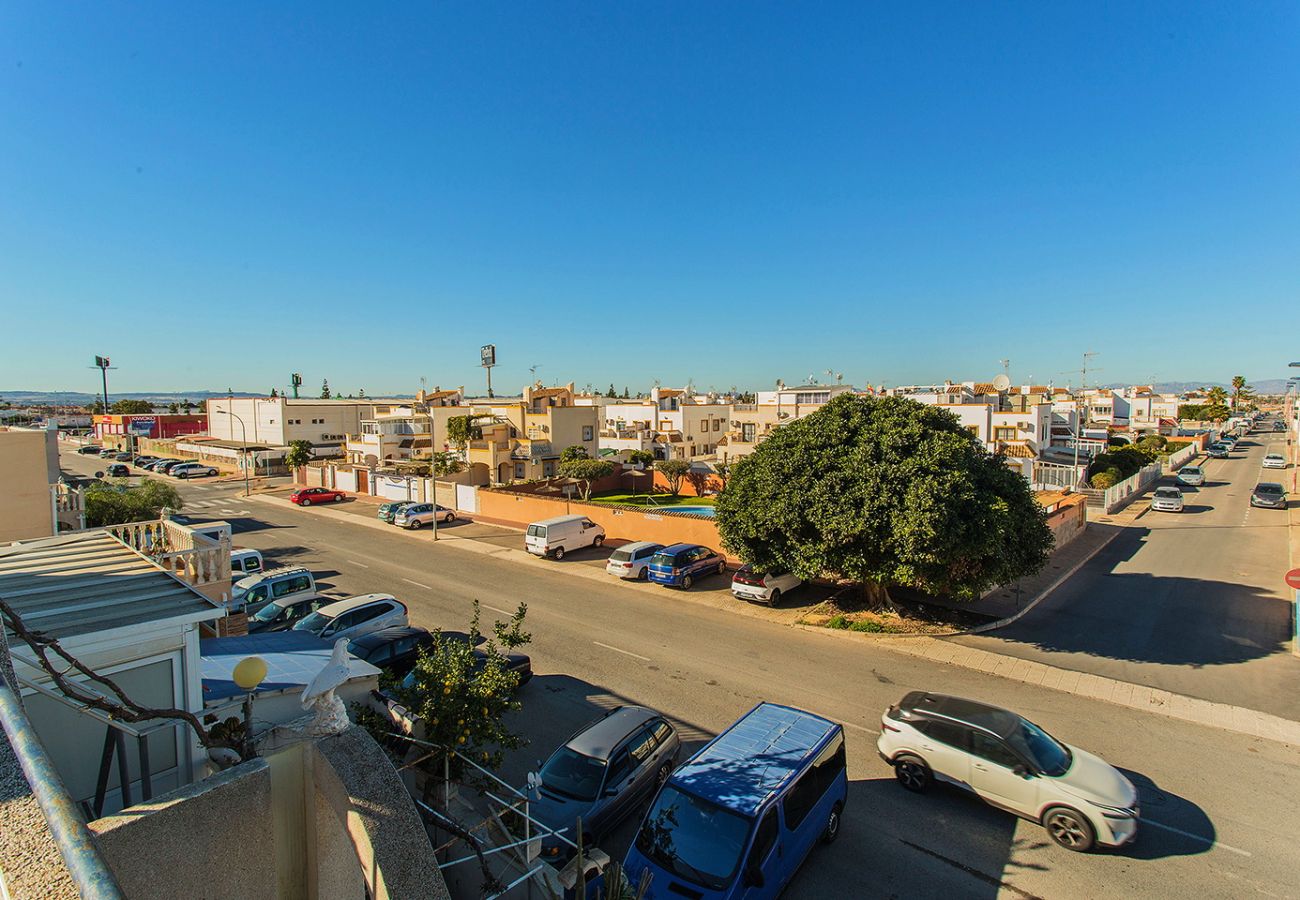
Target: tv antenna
(532, 370)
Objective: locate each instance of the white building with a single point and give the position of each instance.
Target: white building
(671, 423)
(278, 421)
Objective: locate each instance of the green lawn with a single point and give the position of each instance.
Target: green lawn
(641, 500)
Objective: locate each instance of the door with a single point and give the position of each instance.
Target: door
(946, 749)
(763, 869)
(467, 498)
(619, 793)
(993, 775)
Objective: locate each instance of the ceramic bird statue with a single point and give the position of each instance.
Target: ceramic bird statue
(331, 714)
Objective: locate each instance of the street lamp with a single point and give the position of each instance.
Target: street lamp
(248, 674)
(243, 432)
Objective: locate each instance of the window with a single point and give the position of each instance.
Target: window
(366, 613)
(988, 747)
(973, 429)
(588, 432)
(381, 655)
(812, 397)
(1004, 433)
(619, 768)
(661, 730)
(948, 733)
(814, 783)
(764, 838)
(519, 470)
(747, 432)
(643, 746)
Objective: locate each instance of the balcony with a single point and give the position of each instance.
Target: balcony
(196, 559)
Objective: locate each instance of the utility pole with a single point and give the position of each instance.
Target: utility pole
(102, 363)
(1083, 422)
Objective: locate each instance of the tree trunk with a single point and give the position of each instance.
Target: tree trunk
(876, 597)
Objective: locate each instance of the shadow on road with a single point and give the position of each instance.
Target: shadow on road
(1195, 832)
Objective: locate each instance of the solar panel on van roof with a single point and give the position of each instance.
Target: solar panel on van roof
(753, 757)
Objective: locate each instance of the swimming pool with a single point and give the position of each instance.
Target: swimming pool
(694, 510)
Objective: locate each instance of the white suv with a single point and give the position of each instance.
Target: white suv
(1011, 763)
(1274, 461)
(748, 584)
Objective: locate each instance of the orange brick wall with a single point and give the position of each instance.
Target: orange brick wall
(621, 525)
(1069, 519)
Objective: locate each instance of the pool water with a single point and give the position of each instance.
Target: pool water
(696, 510)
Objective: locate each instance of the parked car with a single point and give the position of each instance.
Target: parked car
(562, 534)
(750, 584)
(141, 461)
(89, 450)
(740, 816)
(680, 564)
(1167, 499)
(285, 613)
(165, 467)
(1217, 451)
(191, 470)
(395, 649)
(122, 457)
(417, 515)
(244, 563)
(157, 464)
(1011, 763)
(602, 774)
(117, 470)
(355, 616)
(308, 496)
(632, 560)
(108, 452)
(252, 593)
(388, 511)
(519, 663)
(1269, 494)
(1274, 461)
(1191, 475)
(1279, 426)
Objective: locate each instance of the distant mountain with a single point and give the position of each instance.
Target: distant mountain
(79, 398)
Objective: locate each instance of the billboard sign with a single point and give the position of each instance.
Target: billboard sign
(488, 353)
(142, 425)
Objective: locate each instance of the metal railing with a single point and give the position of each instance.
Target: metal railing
(88, 869)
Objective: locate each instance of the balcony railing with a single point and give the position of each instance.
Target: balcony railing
(194, 558)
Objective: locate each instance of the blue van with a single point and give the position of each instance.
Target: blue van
(741, 815)
(680, 564)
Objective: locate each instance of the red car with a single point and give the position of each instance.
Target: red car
(308, 496)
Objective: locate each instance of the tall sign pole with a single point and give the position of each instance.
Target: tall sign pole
(488, 357)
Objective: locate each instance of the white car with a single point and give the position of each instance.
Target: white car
(1191, 475)
(1011, 763)
(1167, 499)
(1274, 461)
(355, 616)
(190, 470)
(631, 560)
(748, 584)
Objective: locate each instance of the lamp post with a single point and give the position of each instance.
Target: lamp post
(243, 433)
(248, 674)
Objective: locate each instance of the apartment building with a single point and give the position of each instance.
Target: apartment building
(521, 440)
(396, 432)
(278, 421)
(750, 423)
(670, 423)
(29, 474)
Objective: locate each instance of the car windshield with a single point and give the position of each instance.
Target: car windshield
(1168, 492)
(268, 613)
(693, 838)
(1048, 754)
(1269, 489)
(315, 623)
(572, 774)
(1191, 470)
(537, 531)
(621, 555)
(664, 559)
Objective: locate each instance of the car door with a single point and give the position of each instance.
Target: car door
(763, 869)
(945, 747)
(993, 774)
(381, 656)
(619, 793)
(643, 747)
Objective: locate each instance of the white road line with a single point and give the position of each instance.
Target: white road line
(1196, 837)
(624, 652)
(859, 727)
(417, 584)
(504, 612)
(358, 564)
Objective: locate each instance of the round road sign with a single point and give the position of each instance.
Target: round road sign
(1293, 579)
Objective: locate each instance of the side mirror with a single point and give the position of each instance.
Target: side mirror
(753, 876)
(1022, 771)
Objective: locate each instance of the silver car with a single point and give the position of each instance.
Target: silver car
(1191, 475)
(418, 515)
(1269, 495)
(1167, 499)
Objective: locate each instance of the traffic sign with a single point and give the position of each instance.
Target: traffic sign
(1293, 579)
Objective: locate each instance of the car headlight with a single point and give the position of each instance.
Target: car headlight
(1117, 812)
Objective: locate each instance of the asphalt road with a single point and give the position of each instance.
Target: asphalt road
(1190, 602)
(1218, 806)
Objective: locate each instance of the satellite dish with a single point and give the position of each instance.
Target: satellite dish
(1001, 383)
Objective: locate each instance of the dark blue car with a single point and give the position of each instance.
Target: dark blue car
(680, 564)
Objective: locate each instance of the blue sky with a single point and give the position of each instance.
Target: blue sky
(728, 192)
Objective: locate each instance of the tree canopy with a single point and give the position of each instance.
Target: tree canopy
(883, 491)
(585, 471)
(115, 503)
(674, 470)
(300, 453)
(461, 430)
(575, 451)
(131, 407)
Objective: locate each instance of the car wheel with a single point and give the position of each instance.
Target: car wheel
(305, 501)
(722, 568)
(1069, 829)
(600, 539)
(644, 574)
(338, 497)
(415, 524)
(450, 517)
(181, 476)
(662, 776)
(912, 773)
(687, 581)
(559, 553)
(776, 597)
(832, 830)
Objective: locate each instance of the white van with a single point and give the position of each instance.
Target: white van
(562, 534)
(245, 562)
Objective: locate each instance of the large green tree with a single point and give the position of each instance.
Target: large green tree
(300, 453)
(116, 502)
(585, 471)
(572, 452)
(883, 491)
(674, 470)
(1242, 393)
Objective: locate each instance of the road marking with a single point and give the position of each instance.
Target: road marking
(624, 652)
(504, 612)
(417, 584)
(1196, 837)
(859, 727)
(360, 564)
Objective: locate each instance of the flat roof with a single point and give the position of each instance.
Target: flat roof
(754, 757)
(89, 582)
(293, 659)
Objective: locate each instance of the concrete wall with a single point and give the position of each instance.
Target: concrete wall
(518, 509)
(212, 838)
(25, 478)
(1068, 519)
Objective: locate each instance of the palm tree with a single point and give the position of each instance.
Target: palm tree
(1241, 392)
(1217, 396)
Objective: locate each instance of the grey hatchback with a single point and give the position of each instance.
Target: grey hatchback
(1269, 494)
(603, 774)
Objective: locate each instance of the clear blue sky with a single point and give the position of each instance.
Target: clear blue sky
(219, 195)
